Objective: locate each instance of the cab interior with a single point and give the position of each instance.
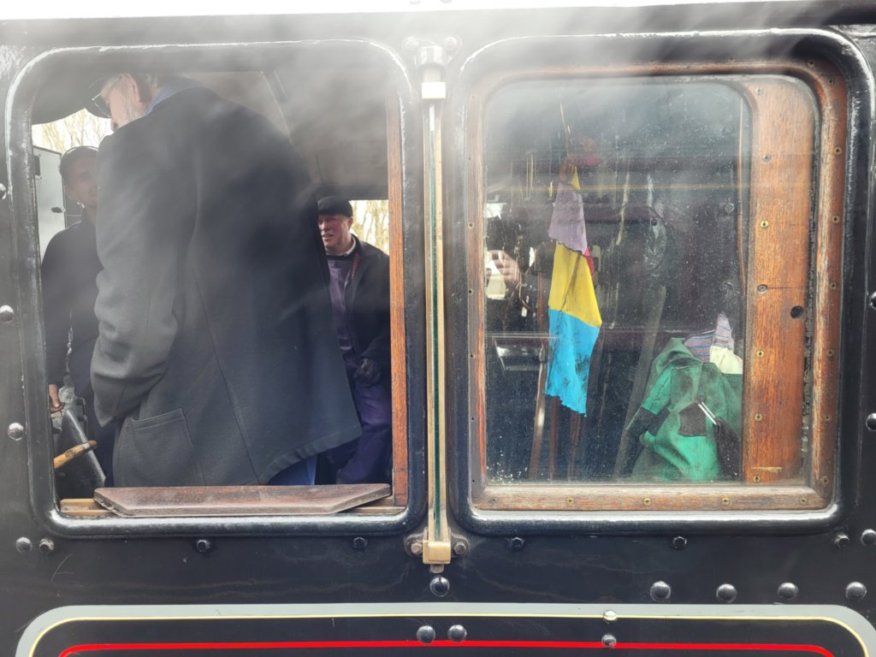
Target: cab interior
(340, 106)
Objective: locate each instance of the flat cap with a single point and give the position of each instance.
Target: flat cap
(335, 205)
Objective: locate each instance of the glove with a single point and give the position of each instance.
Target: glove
(368, 372)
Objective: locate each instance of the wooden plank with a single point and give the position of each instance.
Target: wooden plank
(398, 339)
(237, 500)
(622, 496)
(827, 311)
(782, 153)
(83, 508)
(475, 239)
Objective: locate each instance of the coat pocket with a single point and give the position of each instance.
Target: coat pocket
(157, 451)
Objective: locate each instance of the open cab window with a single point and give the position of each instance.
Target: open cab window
(655, 268)
(352, 149)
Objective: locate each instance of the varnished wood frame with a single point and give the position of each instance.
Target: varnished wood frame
(820, 295)
(398, 338)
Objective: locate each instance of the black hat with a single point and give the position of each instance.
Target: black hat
(335, 205)
(73, 154)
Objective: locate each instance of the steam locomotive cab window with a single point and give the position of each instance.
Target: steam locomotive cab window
(346, 151)
(658, 263)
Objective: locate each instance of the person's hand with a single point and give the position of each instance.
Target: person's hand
(368, 372)
(55, 403)
(507, 266)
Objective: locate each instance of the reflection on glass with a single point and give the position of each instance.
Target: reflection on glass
(614, 219)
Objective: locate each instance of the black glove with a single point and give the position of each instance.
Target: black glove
(368, 372)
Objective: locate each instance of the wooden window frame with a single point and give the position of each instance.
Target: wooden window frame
(82, 518)
(823, 167)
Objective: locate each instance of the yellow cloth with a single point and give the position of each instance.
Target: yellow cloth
(572, 287)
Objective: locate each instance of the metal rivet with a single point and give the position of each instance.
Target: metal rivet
(416, 548)
(679, 542)
(873, 301)
(46, 546)
(516, 544)
(203, 545)
(726, 593)
(832, 285)
(23, 544)
(788, 591)
(767, 158)
(796, 311)
(609, 616)
(6, 314)
(764, 224)
(360, 543)
(646, 501)
(835, 219)
(426, 634)
(660, 591)
(725, 501)
(856, 591)
(761, 289)
(871, 422)
(609, 641)
(758, 417)
(460, 548)
(759, 353)
(868, 537)
(451, 43)
(830, 353)
(15, 431)
(841, 540)
(728, 208)
(439, 586)
(756, 479)
(457, 633)
(836, 150)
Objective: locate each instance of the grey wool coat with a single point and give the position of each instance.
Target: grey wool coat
(216, 350)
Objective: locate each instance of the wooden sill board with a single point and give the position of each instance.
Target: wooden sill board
(238, 500)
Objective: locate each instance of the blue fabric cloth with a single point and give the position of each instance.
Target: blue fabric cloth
(572, 342)
(302, 473)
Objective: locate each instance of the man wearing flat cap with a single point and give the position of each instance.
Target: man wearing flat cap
(359, 286)
(215, 353)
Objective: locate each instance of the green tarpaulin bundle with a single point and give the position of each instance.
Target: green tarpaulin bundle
(689, 423)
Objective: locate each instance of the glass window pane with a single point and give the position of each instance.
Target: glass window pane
(617, 238)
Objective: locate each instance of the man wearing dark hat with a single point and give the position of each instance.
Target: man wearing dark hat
(215, 351)
(359, 274)
(69, 278)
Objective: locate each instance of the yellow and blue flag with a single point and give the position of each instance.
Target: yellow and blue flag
(574, 321)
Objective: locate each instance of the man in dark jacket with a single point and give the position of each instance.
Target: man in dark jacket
(359, 274)
(215, 351)
(69, 278)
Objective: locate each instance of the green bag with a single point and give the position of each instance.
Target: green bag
(689, 423)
